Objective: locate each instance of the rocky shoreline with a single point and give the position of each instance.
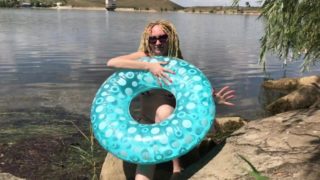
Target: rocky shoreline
(282, 146)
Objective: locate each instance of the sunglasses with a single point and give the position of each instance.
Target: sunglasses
(162, 39)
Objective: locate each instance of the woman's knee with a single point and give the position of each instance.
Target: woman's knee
(145, 172)
(163, 112)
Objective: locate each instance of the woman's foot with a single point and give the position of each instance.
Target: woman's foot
(177, 176)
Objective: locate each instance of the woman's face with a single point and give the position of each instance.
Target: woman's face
(158, 41)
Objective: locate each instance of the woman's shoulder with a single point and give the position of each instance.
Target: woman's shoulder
(138, 54)
(131, 56)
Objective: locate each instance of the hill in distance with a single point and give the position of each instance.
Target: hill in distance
(148, 4)
(163, 5)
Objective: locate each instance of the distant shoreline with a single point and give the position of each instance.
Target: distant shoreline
(195, 10)
(78, 8)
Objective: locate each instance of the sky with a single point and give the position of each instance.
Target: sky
(188, 3)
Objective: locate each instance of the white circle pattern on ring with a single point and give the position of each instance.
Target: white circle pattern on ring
(118, 133)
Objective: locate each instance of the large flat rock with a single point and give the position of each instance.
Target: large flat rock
(284, 146)
(7, 176)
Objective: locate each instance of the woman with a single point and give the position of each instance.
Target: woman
(159, 39)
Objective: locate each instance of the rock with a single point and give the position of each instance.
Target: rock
(291, 83)
(7, 176)
(285, 146)
(302, 93)
(222, 121)
(228, 124)
(303, 97)
(114, 168)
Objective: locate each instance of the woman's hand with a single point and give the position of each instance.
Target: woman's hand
(160, 72)
(223, 96)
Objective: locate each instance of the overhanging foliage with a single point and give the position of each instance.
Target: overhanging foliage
(291, 30)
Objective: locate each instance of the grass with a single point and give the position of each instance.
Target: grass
(43, 143)
(89, 156)
(254, 173)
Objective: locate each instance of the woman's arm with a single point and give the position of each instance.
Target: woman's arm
(224, 95)
(130, 61)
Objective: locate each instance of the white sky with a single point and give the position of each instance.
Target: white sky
(188, 3)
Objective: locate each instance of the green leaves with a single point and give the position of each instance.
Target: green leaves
(291, 31)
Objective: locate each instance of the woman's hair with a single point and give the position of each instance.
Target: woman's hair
(173, 40)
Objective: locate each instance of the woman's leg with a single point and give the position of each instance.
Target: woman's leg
(162, 113)
(144, 172)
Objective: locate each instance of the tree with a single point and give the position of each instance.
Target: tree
(291, 30)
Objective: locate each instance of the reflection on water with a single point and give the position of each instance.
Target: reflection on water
(60, 55)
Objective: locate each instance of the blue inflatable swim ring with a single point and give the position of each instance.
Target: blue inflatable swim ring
(124, 137)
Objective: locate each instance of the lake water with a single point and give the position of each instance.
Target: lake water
(56, 58)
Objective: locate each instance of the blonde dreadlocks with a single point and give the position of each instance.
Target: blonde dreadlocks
(173, 40)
